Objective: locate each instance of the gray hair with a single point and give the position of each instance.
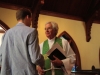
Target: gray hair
(54, 25)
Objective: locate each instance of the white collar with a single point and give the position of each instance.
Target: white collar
(50, 40)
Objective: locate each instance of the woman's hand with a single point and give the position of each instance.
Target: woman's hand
(40, 70)
(57, 62)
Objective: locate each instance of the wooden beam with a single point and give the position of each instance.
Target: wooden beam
(3, 25)
(35, 13)
(89, 19)
(11, 6)
(43, 12)
(2, 31)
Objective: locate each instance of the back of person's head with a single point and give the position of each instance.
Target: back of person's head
(22, 13)
(54, 25)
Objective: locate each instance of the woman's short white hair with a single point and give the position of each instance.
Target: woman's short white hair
(54, 25)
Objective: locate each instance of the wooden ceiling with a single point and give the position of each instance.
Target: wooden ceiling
(74, 9)
(16, 4)
(87, 11)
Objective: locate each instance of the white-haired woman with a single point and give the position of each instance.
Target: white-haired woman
(51, 30)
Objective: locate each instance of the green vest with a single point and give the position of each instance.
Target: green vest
(47, 60)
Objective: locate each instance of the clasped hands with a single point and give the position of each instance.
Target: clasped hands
(56, 62)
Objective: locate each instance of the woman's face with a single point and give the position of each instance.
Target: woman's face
(49, 31)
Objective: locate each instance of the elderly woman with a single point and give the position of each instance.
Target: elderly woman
(51, 30)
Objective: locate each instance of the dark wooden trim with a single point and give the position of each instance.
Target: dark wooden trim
(11, 6)
(2, 31)
(36, 12)
(96, 21)
(88, 24)
(43, 12)
(3, 25)
(74, 47)
(89, 19)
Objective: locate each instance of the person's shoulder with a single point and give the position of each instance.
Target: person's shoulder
(9, 30)
(63, 39)
(24, 27)
(30, 29)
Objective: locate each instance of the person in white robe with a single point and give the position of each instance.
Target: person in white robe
(20, 51)
(51, 30)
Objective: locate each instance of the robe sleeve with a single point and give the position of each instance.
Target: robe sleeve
(69, 62)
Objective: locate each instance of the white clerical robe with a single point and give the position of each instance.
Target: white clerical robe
(69, 62)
